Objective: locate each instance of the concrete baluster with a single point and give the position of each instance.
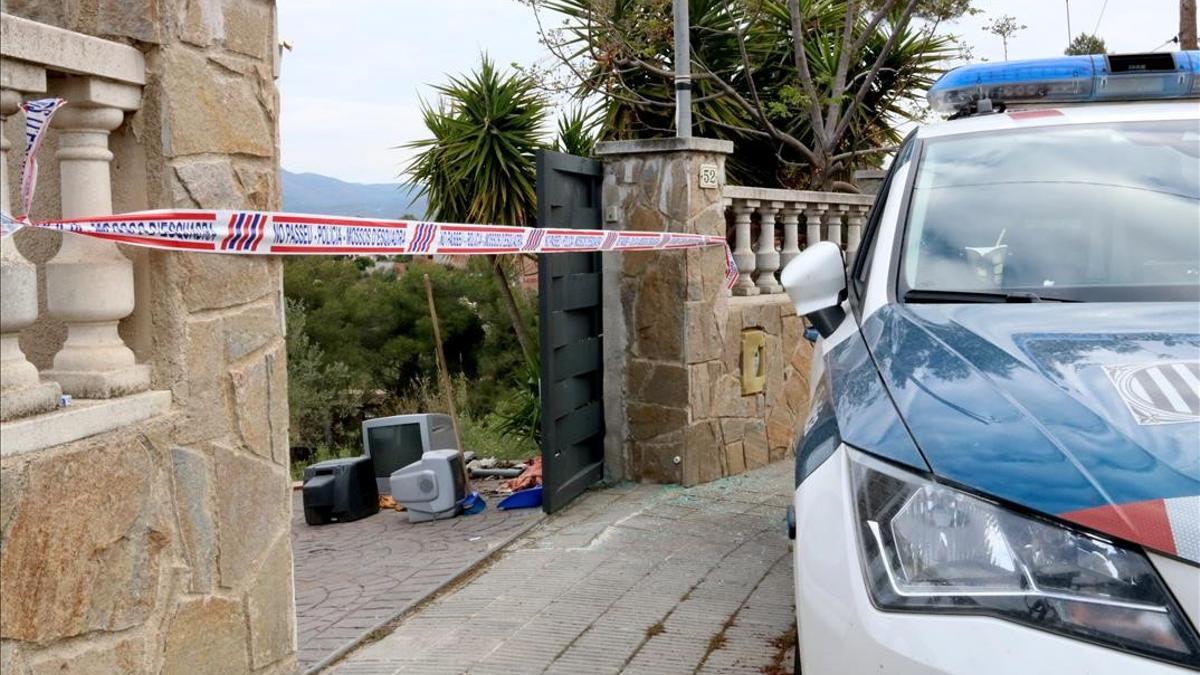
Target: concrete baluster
(766, 258)
(21, 390)
(854, 228)
(833, 223)
(790, 217)
(743, 254)
(812, 222)
(89, 283)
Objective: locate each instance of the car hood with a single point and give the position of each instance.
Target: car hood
(1089, 412)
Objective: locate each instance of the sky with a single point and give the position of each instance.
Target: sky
(352, 84)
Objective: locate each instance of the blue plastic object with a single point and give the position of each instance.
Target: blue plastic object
(473, 504)
(522, 499)
(1071, 79)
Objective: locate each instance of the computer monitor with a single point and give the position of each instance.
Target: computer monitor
(397, 441)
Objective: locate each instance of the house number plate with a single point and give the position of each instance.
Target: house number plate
(708, 176)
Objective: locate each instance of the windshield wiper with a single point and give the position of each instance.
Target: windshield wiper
(934, 296)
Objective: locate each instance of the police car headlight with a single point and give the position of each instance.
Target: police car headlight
(930, 548)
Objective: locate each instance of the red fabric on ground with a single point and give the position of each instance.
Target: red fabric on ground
(531, 477)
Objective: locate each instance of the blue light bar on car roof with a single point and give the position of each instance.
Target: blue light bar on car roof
(1070, 79)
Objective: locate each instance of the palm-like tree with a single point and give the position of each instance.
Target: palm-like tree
(478, 167)
(747, 87)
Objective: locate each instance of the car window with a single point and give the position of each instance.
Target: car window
(861, 269)
(1092, 212)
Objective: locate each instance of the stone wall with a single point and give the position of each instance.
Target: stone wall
(164, 546)
(674, 406)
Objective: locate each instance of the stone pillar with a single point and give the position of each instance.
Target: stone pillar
(663, 311)
(790, 216)
(812, 222)
(89, 283)
(21, 390)
(743, 253)
(767, 256)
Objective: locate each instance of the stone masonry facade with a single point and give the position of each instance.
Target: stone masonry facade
(673, 335)
(163, 546)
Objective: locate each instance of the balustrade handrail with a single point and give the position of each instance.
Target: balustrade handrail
(57, 49)
(806, 196)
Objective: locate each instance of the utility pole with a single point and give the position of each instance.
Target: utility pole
(683, 70)
(1187, 24)
(1070, 35)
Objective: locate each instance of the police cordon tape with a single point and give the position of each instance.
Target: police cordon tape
(270, 233)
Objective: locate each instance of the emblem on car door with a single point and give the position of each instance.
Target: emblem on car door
(1159, 393)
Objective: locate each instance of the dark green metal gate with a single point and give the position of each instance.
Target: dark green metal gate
(570, 328)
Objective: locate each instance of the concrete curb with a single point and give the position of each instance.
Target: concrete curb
(459, 575)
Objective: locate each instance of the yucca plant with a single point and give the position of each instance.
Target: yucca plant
(577, 132)
(520, 415)
(478, 167)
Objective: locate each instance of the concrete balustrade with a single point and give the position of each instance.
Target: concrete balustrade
(89, 283)
(21, 390)
(827, 216)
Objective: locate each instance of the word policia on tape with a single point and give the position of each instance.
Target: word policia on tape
(261, 233)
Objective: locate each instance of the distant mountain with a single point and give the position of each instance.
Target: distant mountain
(314, 193)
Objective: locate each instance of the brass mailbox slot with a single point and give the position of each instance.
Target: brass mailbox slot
(754, 357)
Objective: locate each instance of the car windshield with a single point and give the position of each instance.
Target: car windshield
(1096, 212)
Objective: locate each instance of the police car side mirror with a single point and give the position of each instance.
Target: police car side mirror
(815, 281)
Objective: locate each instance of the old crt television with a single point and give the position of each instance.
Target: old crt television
(432, 488)
(340, 490)
(395, 442)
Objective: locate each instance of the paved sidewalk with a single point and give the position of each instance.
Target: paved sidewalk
(632, 579)
(353, 577)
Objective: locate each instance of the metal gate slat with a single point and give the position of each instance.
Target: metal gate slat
(579, 358)
(572, 327)
(575, 291)
(573, 393)
(581, 424)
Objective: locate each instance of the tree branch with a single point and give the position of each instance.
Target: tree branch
(780, 136)
(839, 76)
(733, 127)
(865, 85)
(859, 153)
(801, 58)
(872, 25)
(840, 84)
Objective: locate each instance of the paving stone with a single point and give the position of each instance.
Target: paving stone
(350, 577)
(630, 579)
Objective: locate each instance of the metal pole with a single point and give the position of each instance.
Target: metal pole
(1069, 35)
(683, 71)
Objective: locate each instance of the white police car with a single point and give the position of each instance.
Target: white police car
(1000, 472)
